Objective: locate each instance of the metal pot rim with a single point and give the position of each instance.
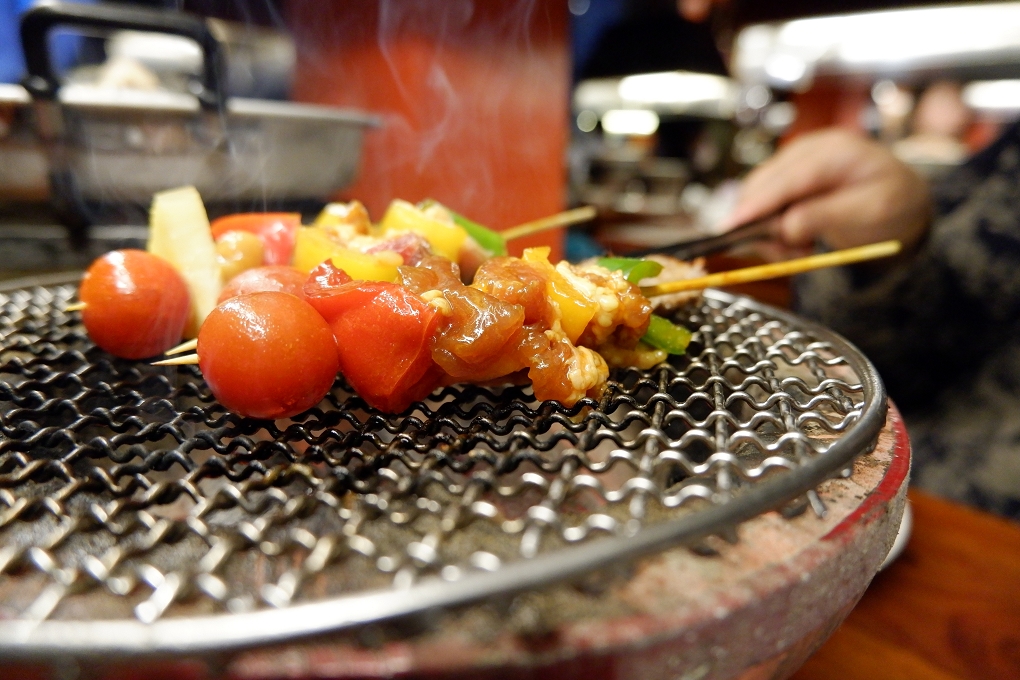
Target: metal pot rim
(85, 98)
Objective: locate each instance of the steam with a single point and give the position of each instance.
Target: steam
(396, 17)
(467, 91)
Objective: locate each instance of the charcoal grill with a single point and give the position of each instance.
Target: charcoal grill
(138, 515)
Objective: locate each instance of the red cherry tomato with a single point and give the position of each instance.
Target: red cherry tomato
(321, 286)
(278, 232)
(260, 279)
(384, 334)
(136, 304)
(267, 355)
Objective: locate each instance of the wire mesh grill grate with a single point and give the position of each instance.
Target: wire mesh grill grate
(127, 494)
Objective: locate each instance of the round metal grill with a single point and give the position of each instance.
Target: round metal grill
(137, 514)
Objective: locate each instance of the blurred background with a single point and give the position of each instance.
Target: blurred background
(660, 130)
(507, 111)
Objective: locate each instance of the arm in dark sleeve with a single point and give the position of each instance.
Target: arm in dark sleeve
(932, 318)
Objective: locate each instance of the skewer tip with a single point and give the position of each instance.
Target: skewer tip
(186, 360)
(186, 346)
(75, 307)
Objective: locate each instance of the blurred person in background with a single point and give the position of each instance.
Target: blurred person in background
(942, 321)
(939, 124)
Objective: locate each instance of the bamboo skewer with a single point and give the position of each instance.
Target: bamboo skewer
(75, 307)
(775, 270)
(562, 219)
(186, 360)
(186, 346)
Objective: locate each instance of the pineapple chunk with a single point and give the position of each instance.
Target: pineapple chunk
(179, 233)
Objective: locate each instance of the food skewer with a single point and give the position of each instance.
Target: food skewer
(385, 330)
(561, 219)
(762, 272)
(745, 275)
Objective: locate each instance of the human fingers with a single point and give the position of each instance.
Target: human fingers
(894, 199)
(809, 165)
(856, 215)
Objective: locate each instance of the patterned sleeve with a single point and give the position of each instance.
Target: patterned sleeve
(938, 316)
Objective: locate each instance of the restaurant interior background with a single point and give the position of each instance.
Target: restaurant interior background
(511, 110)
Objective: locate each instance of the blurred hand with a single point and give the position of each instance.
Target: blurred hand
(838, 187)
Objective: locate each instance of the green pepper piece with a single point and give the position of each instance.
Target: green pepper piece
(666, 335)
(633, 269)
(488, 239)
(491, 240)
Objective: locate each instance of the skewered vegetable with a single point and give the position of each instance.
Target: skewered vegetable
(179, 233)
(267, 355)
(666, 335)
(260, 279)
(320, 286)
(435, 224)
(236, 252)
(491, 241)
(384, 334)
(276, 231)
(634, 269)
(376, 260)
(136, 304)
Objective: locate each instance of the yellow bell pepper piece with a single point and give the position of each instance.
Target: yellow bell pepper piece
(314, 246)
(576, 310)
(381, 266)
(446, 238)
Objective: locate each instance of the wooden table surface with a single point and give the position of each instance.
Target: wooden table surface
(948, 608)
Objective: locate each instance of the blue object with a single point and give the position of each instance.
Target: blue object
(64, 45)
(580, 246)
(594, 18)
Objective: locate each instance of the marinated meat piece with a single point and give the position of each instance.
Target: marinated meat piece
(474, 337)
(517, 282)
(556, 366)
(623, 312)
(471, 339)
(411, 247)
(558, 370)
(431, 273)
(675, 270)
(520, 315)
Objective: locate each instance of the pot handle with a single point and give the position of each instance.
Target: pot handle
(37, 22)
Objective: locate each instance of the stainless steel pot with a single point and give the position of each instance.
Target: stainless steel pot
(119, 146)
